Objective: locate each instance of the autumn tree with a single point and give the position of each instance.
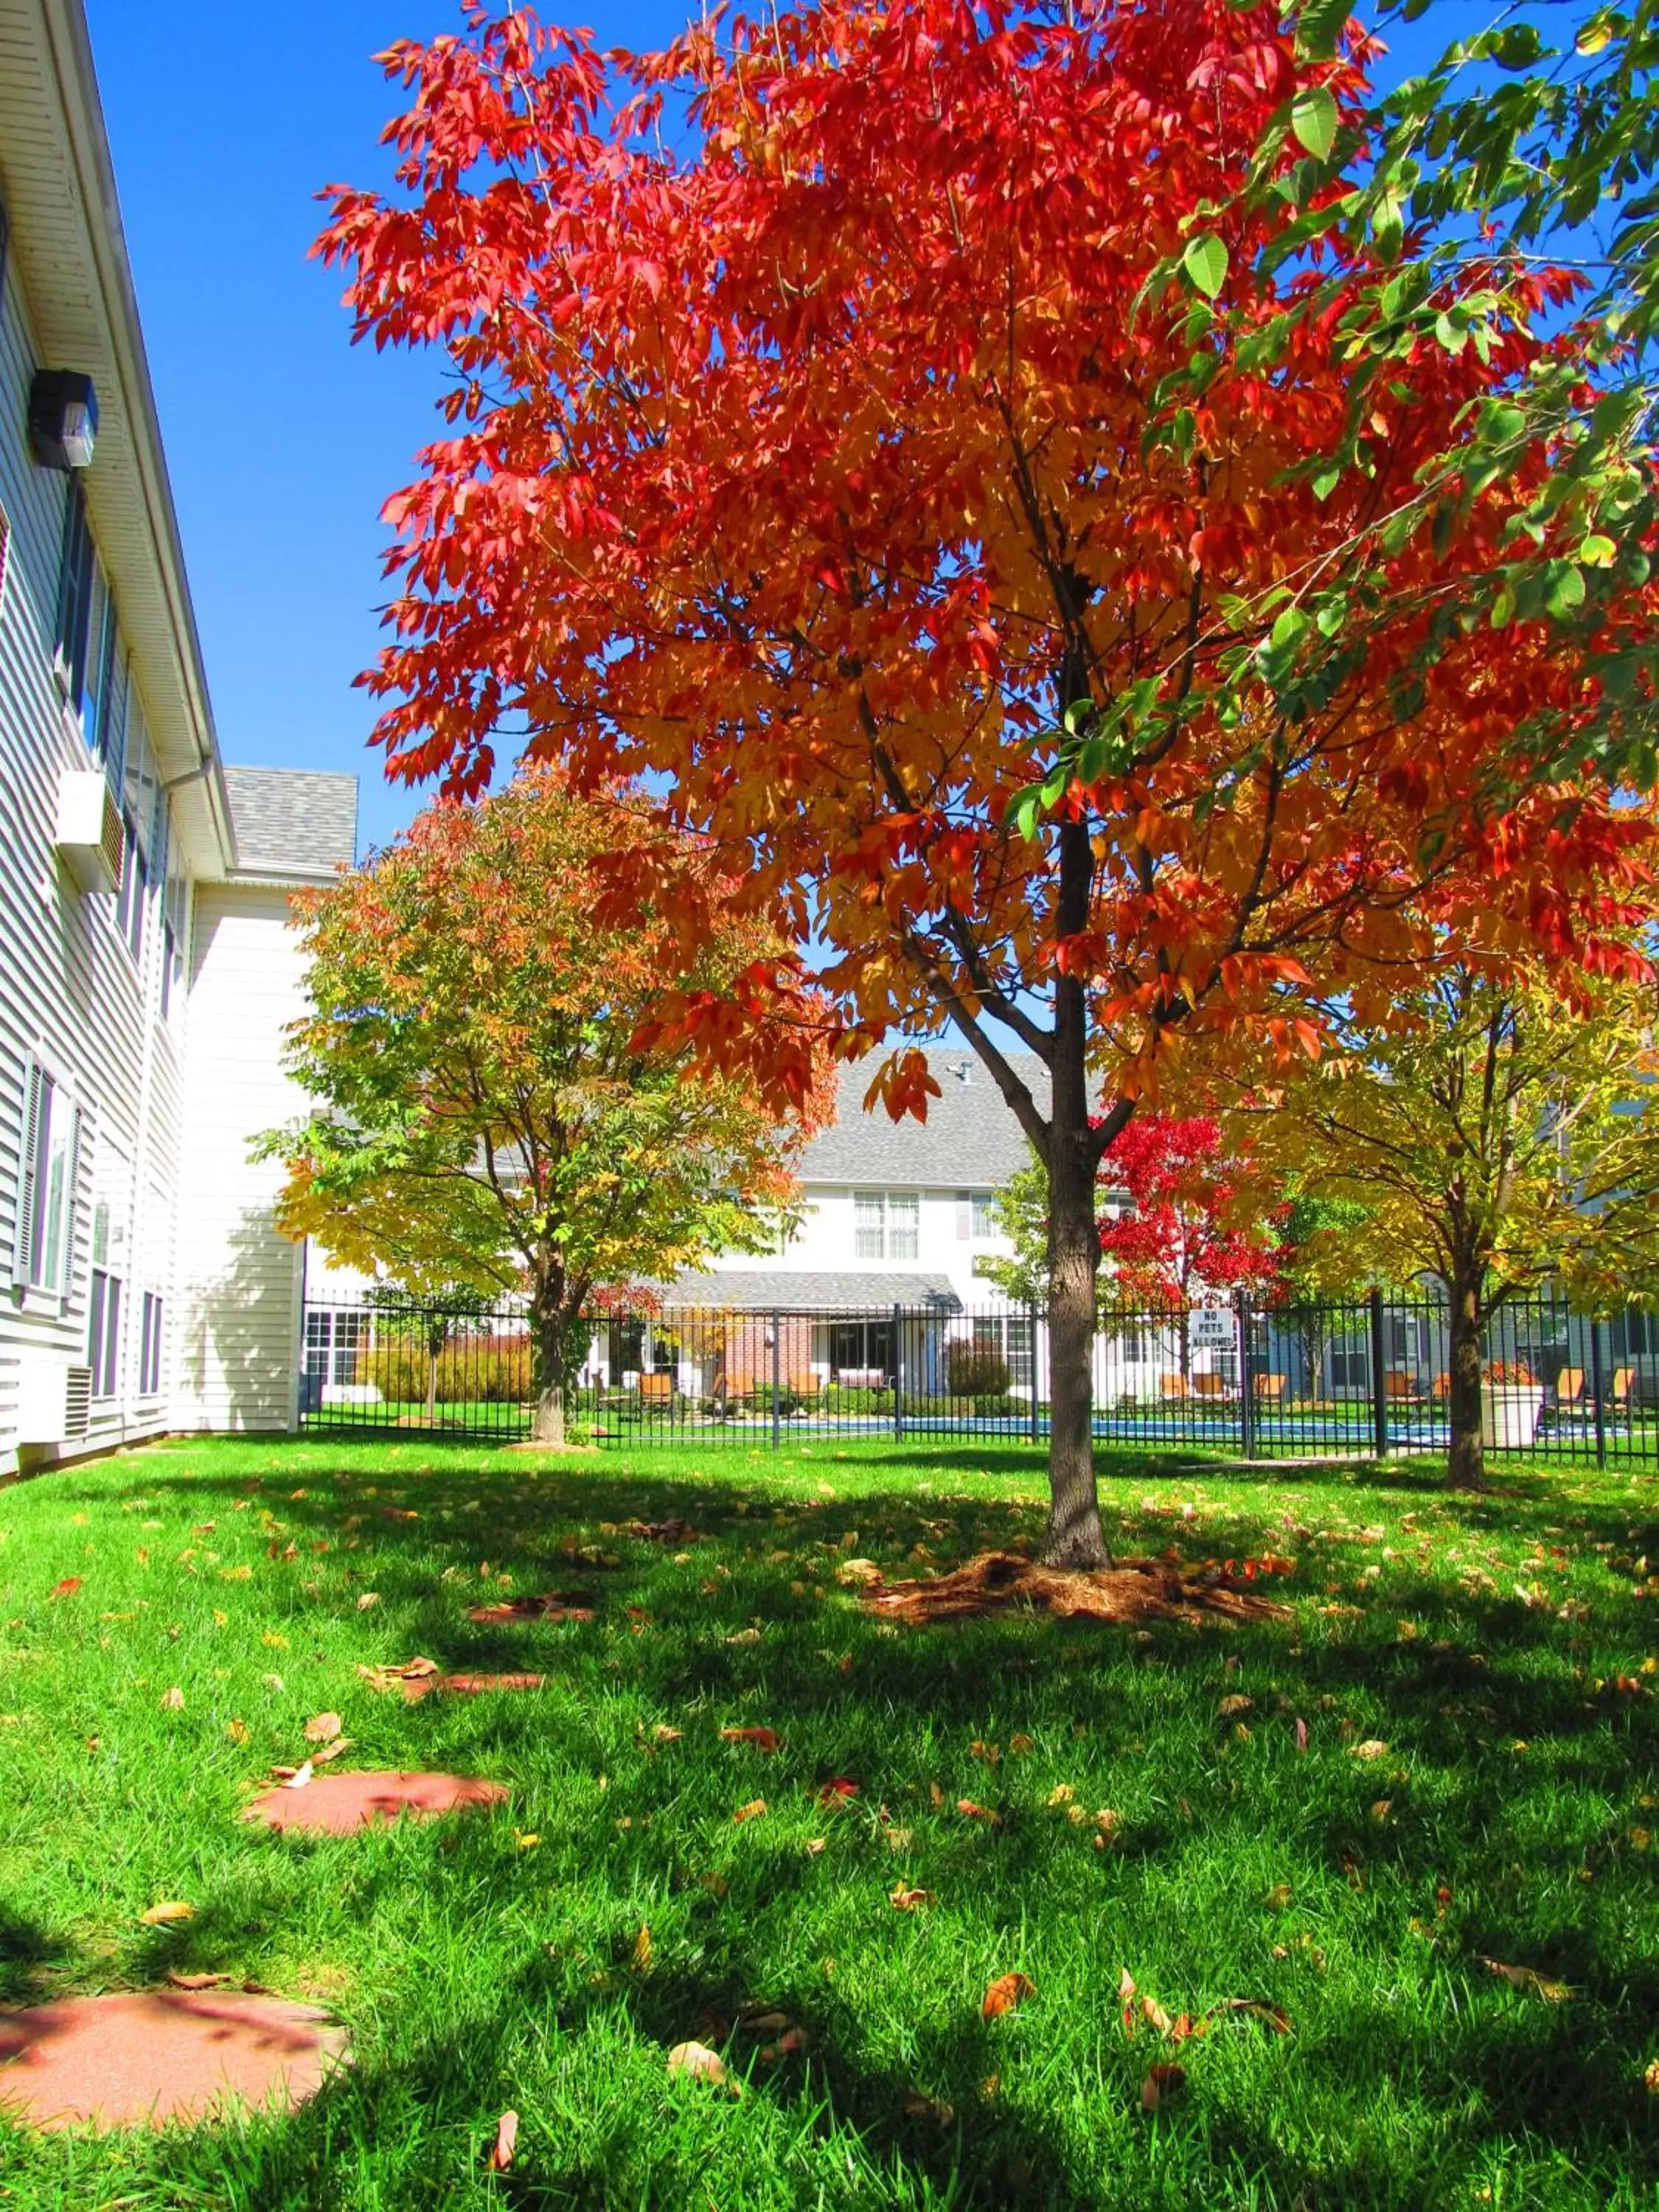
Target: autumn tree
(1495, 1137)
(485, 1117)
(822, 456)
(1168, 1223)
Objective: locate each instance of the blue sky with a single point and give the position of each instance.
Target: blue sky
(283, 439)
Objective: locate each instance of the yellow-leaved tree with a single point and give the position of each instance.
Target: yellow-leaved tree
(487, 1114)
(1499, 1137)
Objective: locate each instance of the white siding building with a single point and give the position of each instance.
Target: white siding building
(147, 965)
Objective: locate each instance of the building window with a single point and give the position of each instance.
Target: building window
(75, 581)
(886, 1224)
(869, 1218)
(104, 1334)
(43, 1251)
(985, 1215)
(903, 1225)
(149, 1347)
(130, 899)
(335, 1343)
(1350, 1366)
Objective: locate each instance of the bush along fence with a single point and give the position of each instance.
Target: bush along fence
(1259, 1382)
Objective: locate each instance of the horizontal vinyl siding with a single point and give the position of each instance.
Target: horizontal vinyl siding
(67, 986)
(237, 1343)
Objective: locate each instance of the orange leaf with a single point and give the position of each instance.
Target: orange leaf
(752, 1811)
(505, 2143)
(1005, 1993)
(908, 1900)
(68, 1587)
(170, 1909)
(763, 1739)
(978, 1812)
(1161, 2084)
(323, 1728)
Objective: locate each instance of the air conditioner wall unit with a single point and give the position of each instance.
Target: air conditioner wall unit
(54, 1399)
(91, 840)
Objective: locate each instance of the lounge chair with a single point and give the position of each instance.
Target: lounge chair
(1211, 1389)
(1174, 1388)
(1399, 1388)
(657, 1388)
(1269, 1389)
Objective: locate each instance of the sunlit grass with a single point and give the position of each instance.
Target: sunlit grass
(1498, 1648)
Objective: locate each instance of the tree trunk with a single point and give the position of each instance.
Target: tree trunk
(1074, 1538)
(1466, 1460)
(549, 1328)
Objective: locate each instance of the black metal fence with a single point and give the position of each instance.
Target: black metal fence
(1266, 1382)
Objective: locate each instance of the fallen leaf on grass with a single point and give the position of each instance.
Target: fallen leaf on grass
(792, 2040)
(237, 1731)
(505, 2143)
(641, 1955)
(745, 1636)
(864, 1571)
(1524, 1978)
(762, 1739)
(368, 1599)
(918, 2107)
(169, 1909)
(323, 1728)
(662, 1734)
(1651, 2078)
(1270, 2015)
(1005, 1993)
(330, 1751)
(1160, 2085)
(967, 1806)
(1155, 2016)
(68, 1587)
(910, 1900)
(300, 1777)
(698, 2063)
(1236, 1702)
(836, 1789)
(1373, 1747)
(1302, 1735)
(174, 1701)
(752, 1811)
(195, 1981)
(1019, 1745)
(412, 1678)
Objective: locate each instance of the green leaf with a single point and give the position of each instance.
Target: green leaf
(1023, 812)
(1313, 118)
(1597, 551)
(1318, 26)
(1565, 588)
(1205, 262)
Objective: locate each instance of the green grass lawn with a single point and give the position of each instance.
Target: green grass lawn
(1501, 1649)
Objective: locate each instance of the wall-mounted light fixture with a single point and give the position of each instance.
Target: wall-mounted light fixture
(62, 418)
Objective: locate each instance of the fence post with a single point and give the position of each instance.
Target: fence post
(1246, 1405)
(777, 1339)
(1598, 1372)
(898, 1375)
(1379, 1380)
(1037, 1425)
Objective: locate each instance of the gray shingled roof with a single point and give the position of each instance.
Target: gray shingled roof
(802, 1291)
(293, 821)
(970, 1141)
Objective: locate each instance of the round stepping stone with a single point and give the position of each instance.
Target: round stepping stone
(340, 1804)
(478, 1686)
(141, 2057)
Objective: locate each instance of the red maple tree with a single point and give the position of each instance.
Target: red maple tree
(816, 450)
(1179, 1239)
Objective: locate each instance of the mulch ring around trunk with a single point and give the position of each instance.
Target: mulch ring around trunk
(551, 1605)
(143, 2057)
(340, 1804)
(1134, 1591)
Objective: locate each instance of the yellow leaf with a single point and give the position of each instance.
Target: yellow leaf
(642, 1952)
(170, 1909)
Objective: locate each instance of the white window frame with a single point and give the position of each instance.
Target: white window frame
(869, 1221)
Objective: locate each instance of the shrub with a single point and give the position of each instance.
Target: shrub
(1512, 1371)
(974, 1370)
(838, 1399)
(472, 1370)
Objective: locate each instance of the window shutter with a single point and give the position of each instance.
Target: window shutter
(965, 1216)
(80, 1132)
(28, 1140)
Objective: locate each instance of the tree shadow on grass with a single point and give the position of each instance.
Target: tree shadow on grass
(1556, 2076)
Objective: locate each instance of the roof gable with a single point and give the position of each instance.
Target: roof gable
(970, 1140)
